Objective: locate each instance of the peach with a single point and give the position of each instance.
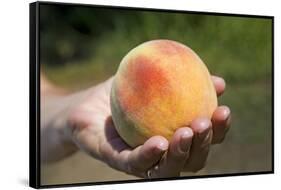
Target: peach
(160, 86)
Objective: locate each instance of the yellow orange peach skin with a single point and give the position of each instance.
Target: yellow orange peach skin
(160, 86)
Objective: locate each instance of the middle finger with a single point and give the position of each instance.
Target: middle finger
(202, 128)
(173, 162)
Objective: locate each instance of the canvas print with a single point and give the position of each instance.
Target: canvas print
(132, 94)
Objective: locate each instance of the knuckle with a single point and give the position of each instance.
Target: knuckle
(132, 168)
(129, 169)
(218, 140)
(198, 167)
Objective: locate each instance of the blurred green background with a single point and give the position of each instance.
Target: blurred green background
(82, 46)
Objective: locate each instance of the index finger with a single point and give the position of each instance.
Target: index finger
(145, 156)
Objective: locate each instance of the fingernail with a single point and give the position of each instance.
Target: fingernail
(204, 127)
(228, 122)
(161, 147)
(185, 141)
(226, 112)
(205, 134)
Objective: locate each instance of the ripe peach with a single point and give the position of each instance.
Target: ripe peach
(160, 85)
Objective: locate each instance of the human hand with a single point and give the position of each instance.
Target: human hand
(91, 128)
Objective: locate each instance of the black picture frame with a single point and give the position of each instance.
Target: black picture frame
(34, 97)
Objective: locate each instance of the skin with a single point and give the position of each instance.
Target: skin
(82, 121)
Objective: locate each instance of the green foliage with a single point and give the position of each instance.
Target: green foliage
(239, 49)
(82, 46)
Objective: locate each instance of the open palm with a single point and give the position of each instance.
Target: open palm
(92, 129)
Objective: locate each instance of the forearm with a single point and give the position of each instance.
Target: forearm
(56, 142)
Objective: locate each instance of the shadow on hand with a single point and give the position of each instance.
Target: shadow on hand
(113, 138)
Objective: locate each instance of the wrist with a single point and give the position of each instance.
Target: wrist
(68, 120)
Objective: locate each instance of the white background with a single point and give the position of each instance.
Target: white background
(14, 94)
